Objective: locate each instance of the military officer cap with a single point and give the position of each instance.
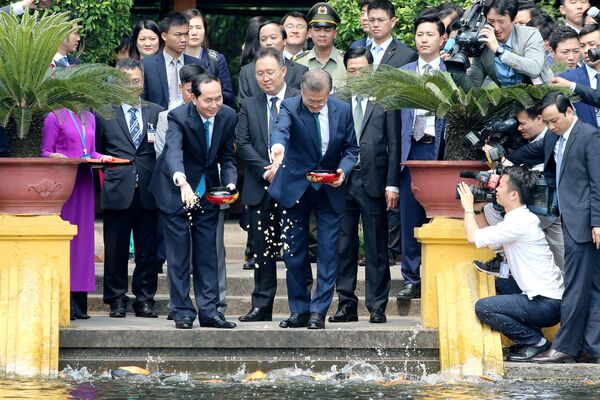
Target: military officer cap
(323, 15)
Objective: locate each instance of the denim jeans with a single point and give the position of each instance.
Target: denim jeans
(515, 315)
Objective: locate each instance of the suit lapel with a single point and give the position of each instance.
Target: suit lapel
(196, 127)
(309, 122)
(263, 118)
(389, 53)
(123, 124)
(216, 136)
(162, 74)
(572, 138)
(367, 114)
(333, 125)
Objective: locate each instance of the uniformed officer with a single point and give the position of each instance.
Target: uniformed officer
(323, 21)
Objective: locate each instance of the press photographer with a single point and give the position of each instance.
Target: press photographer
(531, 299)
(512, 54)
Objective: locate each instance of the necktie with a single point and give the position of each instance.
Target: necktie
(559, 156)
(134, 128)
(201, 188)
(274, 113)
(358, 117)
(317, 186)
(174, 94)
(427, 70)
(62, 62)
(377, 55)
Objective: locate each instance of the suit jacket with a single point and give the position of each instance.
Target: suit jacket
(585, 112)
(252, 140)
(359, 43)
(156, 83)
(379, 149)
(216, 64)
(249, 87)
(185, 151)
(588, 95)
(113, 138)
(408, 119)
(398, 54)
(527, 57)
(296, 131)
(579, 187)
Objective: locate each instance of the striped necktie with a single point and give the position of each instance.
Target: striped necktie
(134, 127)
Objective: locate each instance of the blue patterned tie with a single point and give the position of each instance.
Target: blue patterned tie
(62, 62)
(317, 186)
(134, 128)
(559, 156)
(201, 188)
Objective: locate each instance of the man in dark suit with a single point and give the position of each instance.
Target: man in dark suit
(200, 137)
(421, 139)
(256, 120)
(372, 189)
(127, 203)
(313, 132)
(569, 152)
(161, 71)
(270, 34)
(62, 58)
(364, 24)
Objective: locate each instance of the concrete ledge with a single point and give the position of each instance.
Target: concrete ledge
(572, 372)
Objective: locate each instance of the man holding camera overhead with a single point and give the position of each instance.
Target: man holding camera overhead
(512, 54)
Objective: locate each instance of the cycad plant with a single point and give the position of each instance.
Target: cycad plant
(394, 88)
(29, 88)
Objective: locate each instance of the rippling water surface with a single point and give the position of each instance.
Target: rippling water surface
(356, 380)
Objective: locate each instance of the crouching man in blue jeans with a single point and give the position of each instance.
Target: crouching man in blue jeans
(530, 300)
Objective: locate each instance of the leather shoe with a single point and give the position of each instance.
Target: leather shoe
(585, 358)
(257, 314)
(345, 313)
(218, 321)
(249, 264)
(184, 323)
(170, 316)
(316, 321)
(378, 317)
(296, 320)
(145, 310)
(409, 291)
(525, 353)
(118, 309)
(553, 356)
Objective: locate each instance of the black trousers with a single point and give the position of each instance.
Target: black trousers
(117, 227)
(372, 211)
(580, 308)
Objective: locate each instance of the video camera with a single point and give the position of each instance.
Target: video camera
(594, 54)
(500, 133)
(467, 41)
(540, 202)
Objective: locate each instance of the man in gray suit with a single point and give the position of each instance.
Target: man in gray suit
(512, 54)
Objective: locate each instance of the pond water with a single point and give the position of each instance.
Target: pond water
(356, 380)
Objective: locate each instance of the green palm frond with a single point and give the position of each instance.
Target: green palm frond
(29, 87)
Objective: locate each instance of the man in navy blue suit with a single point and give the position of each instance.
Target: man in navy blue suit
(200, 136)
(161, 71)
(364, 24)
(422, 138)
(313, 132)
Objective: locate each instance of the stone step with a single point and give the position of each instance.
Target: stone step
(102, 343)
(237, 305)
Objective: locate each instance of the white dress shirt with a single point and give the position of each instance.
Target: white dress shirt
(280, 96)
(377, 56)
(58, 57)
(324, 122)
(529, 258)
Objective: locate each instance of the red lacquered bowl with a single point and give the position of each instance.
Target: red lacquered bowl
(322, 176)
(221, 195)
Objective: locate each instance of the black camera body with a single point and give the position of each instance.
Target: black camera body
(500, 133)
(467, 41)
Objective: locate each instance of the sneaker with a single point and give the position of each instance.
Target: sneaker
(491, 266)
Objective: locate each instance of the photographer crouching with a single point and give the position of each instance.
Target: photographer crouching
(531, 299)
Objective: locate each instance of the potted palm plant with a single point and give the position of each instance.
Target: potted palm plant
(433, 182)
(29, 90)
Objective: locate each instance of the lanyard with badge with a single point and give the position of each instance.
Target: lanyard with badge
(82, 134)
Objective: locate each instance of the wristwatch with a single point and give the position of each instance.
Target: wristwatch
(499, 51)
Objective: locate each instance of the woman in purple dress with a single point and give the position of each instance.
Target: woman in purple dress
(66, 134)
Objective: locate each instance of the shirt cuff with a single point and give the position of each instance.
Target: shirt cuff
(277, 145)
(177, 175)
(17, 9)
(394, 189)
(572, 86)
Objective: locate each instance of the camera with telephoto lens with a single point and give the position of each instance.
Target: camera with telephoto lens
(594, 54)
(467, 42)
(500, 134)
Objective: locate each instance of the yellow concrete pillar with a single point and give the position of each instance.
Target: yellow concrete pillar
(467, 347)
(444, 245)
(34, 292)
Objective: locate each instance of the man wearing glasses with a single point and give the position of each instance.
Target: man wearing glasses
(313, 132)
(323, 21)
(296, 27)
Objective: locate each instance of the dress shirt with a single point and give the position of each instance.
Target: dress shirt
(324, 122)
(430, 120)
(529, 258)
(168, 59)
(576, 29)
(566, 136)
(138, 115)
(58, 57)
(377, 56)
(506, 75)
(280, 96)
(210, 135)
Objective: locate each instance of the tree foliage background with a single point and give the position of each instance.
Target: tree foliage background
(104, 22)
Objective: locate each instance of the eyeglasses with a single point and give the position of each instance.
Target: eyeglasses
(315, 103)
(300, 27)
(267, 74)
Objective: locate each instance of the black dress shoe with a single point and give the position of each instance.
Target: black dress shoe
(170, 316)
(296, 320)
(345, 313)
(218, 321)
(184, 323)
(378, 317)
(525, 353)
(316, 321)
(257, 314)
(118, 309)
(585, 358)
(409, 291)
(553, 357)
(249, 264)
(145, 310)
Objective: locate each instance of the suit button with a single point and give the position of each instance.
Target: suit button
(282, 165)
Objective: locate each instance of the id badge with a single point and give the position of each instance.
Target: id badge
(151, 133)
